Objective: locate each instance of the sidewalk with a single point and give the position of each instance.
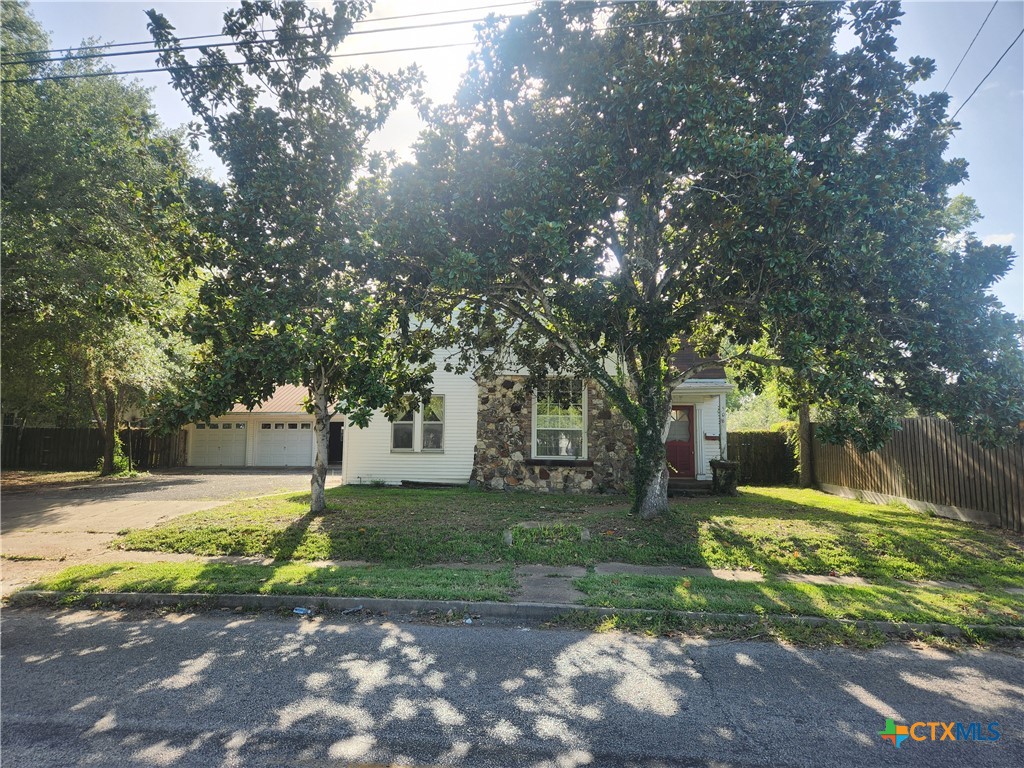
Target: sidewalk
(537, 583)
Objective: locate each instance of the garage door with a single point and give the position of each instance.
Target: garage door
(284, 444)
(219, 444)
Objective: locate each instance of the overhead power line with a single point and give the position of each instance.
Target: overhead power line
(237, 43)
(220, 65)
(983, 23)
(1019, 34)
(222, 34)
(217, 65)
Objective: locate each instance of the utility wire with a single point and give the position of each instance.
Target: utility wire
(217, 65)
(224, 34)
(220, 65)
(237, 43)
(987, 74)
(983, 23)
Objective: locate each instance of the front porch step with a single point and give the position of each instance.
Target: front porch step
(689, 487)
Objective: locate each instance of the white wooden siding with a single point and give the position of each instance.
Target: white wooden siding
(710, 427)
(367, 452)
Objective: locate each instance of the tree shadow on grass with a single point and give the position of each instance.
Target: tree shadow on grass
(883, 544)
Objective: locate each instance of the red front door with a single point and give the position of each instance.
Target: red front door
(679, 445)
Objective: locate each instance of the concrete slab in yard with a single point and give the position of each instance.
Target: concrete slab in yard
(548, 571)
(530, 525)
(548, 584)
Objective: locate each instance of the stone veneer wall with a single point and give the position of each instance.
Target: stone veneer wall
(503, 451)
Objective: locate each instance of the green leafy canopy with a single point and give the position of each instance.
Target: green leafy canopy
(615, 178)
(291, 296)
(295, 295)
(99, 239)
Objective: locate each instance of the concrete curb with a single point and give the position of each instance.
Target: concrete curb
(536, 612)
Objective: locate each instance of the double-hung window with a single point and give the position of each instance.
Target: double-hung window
(559, 422)
(401, 431)
(433, 424)
(424, 428)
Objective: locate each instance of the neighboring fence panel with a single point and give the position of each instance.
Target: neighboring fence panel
(765, 458)
(929, 466)
(72, 449)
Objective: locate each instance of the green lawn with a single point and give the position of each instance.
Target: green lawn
(775, 598)
(285, 579)
(771, 530)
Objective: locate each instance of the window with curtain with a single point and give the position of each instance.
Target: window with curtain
(433, 424)
(401, 432)
(559, 420)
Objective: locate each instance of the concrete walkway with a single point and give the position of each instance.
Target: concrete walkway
(547, 584)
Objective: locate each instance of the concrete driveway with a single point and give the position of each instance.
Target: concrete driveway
(47, 529)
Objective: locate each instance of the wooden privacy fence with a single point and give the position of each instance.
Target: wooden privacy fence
(69, 448)
(765, 458)
(928, 466)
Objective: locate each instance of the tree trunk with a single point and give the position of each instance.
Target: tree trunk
(321, 432)
(651, 469)
(806, 448)
(109, 431)
(651, 498)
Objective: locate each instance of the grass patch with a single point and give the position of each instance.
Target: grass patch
(667, 625)
(811, 532)
(873, 603)
(288, 579)
(402, 527)
(771, 530)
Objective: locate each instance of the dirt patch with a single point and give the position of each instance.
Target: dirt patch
(29, 481)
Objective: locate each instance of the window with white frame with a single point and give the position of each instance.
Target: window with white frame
(401, 431)
(559, 421)
(422, 430)
(433, 424)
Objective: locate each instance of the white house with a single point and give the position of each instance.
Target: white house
(434, 445)
(494, 433)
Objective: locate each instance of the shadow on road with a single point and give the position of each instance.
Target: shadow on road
(211, 689)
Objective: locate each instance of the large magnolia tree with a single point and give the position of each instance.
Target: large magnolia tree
(293, 295)
(615, 178)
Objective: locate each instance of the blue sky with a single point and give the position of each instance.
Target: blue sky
(991, 137)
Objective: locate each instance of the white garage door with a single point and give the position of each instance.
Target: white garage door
(219, 444)
(284, 444)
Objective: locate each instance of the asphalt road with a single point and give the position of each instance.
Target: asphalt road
(226, 689)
